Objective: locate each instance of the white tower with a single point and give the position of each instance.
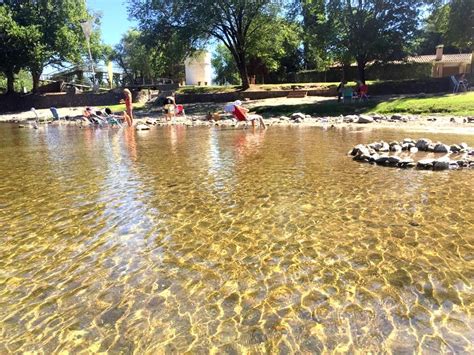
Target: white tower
(198, 69)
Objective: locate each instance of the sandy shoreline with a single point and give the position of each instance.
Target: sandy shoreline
(430, 124)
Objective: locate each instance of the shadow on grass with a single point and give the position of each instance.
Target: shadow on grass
(331, 108)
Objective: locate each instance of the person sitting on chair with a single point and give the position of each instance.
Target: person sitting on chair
(93, 116)
(241, 114)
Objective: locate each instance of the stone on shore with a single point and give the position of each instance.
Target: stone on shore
(423, 144)
(298, 116)
(441, 148)
(365, 119)
(350, 118)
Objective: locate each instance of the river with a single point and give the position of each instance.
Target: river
(228, 241)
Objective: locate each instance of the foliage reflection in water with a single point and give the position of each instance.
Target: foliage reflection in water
(193, 239)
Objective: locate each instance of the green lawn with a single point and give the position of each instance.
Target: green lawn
(121, 107)
(270, 87)
(456, 105)
(206, 89)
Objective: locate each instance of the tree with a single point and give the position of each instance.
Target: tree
(374, 30)
(316, 32)
(54, 34)
(224, 66)
(232, 22)
(133, 57)
(449, 24)
(460, 28)
(275, 52)
(15, 41)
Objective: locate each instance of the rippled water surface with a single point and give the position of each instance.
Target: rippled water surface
(196, 239)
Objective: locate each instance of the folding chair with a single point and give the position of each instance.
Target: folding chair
(55, 114)
(180, 111)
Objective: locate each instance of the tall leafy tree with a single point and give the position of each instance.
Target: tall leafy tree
(316, 32)
(374, 30)
(460, 29)
(54, 32)
(224, 67)
(233, 22)
(133, 57)
(15, 44)
(450, 23)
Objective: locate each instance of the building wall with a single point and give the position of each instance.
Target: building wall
(198, 69)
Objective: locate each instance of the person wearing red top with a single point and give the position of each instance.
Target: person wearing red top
(241, 114)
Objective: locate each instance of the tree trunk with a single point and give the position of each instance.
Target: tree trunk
(35, 75)
(361, 69)
(10, 82)
(243, 74)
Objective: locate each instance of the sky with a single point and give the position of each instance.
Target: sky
(115, 20)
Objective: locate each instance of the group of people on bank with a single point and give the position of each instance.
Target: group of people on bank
(170, 110)
(345, 92)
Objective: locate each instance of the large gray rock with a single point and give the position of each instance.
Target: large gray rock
(393, 160)
(375, 145)
(442, 148)
(455, 148)
(395, 148)
(425, 164)
(359, 149)
(422, 144)
(365, 119)
(385, 147)
(298, 115)
(439, 165)
(406, 163)
(397, 117)
(383, 160)
(350, 118)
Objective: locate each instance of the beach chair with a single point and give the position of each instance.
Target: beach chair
(55, 113)
(241, 115)
(180, 111)
(457, 84)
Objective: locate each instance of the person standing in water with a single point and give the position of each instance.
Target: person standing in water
(128, 107)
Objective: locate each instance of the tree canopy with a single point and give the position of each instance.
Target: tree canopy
(39, 33)
(234, 23)
(373, 30)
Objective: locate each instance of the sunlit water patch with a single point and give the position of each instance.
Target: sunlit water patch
(196, 239)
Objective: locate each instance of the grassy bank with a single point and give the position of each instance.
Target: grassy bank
(455, 105)
(258, 87)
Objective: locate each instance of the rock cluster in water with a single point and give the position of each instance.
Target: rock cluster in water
(454, 156)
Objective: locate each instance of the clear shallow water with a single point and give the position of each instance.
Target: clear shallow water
(195, 239)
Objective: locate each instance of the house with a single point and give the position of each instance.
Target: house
(445, 64)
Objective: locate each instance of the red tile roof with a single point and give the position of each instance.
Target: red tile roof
(447, 58)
